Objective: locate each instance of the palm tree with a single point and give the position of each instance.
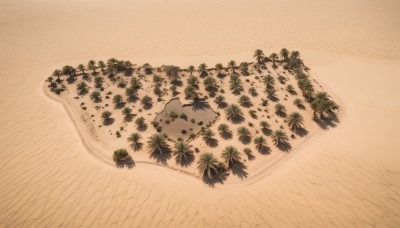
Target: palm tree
(134, 139)
(280, 108)
(236, 86)
(264, 125)
(224, 129)
(273, 57)
(297, 102)
(192, 80)
(131, 93)
(135, 83)
(271, 92)
(295, 54)
(106, 116)
(208, 165)
(208, 135)
(231, 155)
(158, 143)
(98, 81)
(190, 92)
(118, 100)
(146, 101)
(183, 151)
(112, 65)
(202, 69)
(220, 101)
(260, 143)
(219, 67)
(279, 137)
(191, 69)
(269, 81)
(120, 154)
(233, 112)
(210, 82)
(127, 112)
(232, 65)
(244, 134)
(295, 120)
(92, 66)
(253, 91)
(290, 88)
(57, 73)
(285, 54)
(140, 123)
(245, 101)
(95, 96)
(259, 55)
(128, 64)
(82, 88)
(82, 68)
(68, 70)
(101, 65)
(244, 67)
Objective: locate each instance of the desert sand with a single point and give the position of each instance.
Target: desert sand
(347, 176)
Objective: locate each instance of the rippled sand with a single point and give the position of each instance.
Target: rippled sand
(348, 176)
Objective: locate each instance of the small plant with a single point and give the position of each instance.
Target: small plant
(118, 134)
(183, 116)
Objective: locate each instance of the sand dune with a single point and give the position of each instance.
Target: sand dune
(348, 176)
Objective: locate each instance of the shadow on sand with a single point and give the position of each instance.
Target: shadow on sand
(129, 163)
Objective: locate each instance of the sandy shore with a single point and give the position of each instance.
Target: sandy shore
(347, 176)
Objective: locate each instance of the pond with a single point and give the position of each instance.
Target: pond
(179, 120)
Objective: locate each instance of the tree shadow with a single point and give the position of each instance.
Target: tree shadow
(108, 121)
(239, 169)
(128, 118)
(264, 150)
(222, 105)
(198, 105)
(250, 156)
(129, 163)
(142, 127)
(302, 132)
(163, 157)
(245, 139)
(137, 146)
(237, 120)
(301, 106)
(266, 131)
(326, 122)
(119, 105)
(222, 75)
(71, 80)
(185, 162)
(281, 114)
(218, 178)
(148, 106)
(226, 135)
(212, 142)
(128, 72)
(247, 104)
(273, 98)
(284, 146)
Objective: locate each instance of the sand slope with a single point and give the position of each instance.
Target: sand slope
(347, 177)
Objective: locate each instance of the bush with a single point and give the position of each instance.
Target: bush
(200, 123)
(173, 115)
(118, 134)
(183, 132)
(193, 120)
(183, 116)
(167, 121)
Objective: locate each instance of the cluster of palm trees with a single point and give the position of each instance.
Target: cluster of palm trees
(208, 165)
